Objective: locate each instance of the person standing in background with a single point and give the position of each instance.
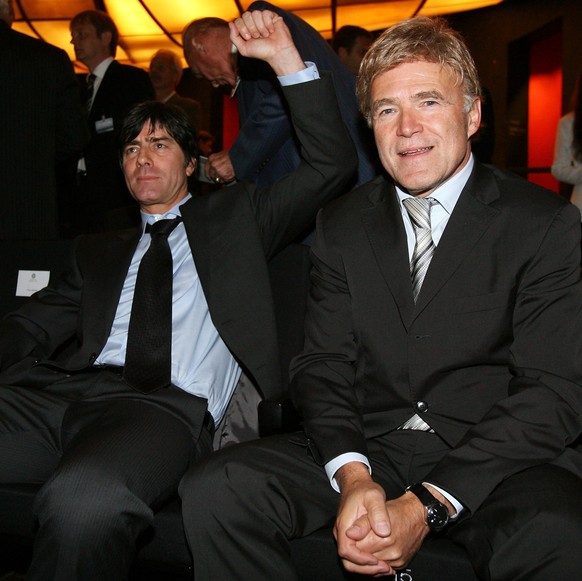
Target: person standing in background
(42, 128)
(103, 201)
(351, 43)
(165, 74)
(567, 166)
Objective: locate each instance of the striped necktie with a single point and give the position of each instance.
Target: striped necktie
(419, 212)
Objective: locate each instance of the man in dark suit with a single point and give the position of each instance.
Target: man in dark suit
(165, 74)
(266, 148)
(440, 388)
(42, 126)
(109, 451)
(103, 201)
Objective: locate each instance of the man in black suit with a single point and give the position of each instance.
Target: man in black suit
(108, 453)
(103, 201)
(42, 127)
(441, 379)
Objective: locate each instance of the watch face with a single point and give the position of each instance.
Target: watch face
(437, 516)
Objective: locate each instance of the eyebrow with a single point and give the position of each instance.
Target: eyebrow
(420, 96)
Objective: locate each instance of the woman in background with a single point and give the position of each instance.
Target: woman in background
(567, 166)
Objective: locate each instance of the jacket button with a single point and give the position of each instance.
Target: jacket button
(421, 406)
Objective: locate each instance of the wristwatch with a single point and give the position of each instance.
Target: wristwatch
(437, 515)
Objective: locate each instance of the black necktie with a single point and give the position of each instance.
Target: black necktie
(89, 91)
(149, 339)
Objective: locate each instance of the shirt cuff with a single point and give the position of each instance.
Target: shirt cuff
(456, 504)
(334, 465)
(303, 76)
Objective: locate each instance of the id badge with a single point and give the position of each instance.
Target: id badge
(104, 125)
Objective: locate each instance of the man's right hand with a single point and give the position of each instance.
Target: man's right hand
(362, 516)
(263, 34)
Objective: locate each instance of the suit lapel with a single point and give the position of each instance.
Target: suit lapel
(385, 231)
(470, 219)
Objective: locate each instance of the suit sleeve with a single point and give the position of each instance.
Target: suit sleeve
(45, 322)
(323, 375)
(329, 161)
(264, 131)
(541, 415)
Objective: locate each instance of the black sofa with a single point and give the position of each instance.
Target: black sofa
(163, 554)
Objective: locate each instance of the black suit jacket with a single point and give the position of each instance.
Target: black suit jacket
(42, 124)
(122, 87)
(491, 354)
(232, 234)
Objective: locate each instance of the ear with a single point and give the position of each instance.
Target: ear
(474, 117)
(191, 167)
(342, 52)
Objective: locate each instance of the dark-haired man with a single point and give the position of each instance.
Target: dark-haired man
(351, 43)
(109, 434)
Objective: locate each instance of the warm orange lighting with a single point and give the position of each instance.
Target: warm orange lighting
(148, 25)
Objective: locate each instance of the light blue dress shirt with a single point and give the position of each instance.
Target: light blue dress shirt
(201, 362)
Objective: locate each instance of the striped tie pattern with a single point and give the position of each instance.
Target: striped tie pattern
(419, 212)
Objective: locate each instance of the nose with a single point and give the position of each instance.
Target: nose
(409, 123)
(143, 158)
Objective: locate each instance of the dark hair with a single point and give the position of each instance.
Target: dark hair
(159, 115)
(102, 22)
(346, 36)
(418, 39)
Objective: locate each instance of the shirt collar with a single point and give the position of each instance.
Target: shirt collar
(448, 193)
(102, 67)
(169, 215)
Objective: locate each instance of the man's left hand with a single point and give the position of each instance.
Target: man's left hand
(408, 530)
(219, 168)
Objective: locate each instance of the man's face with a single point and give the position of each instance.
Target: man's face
(162, 74)
(90, 49)
(420, 125)
(213, 59)
(155, 170)
(353, 58)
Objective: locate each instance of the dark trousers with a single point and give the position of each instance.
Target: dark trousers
(107, 455)
(243, 505)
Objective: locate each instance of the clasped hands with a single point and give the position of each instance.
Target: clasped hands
(374, 536)
(263, 35)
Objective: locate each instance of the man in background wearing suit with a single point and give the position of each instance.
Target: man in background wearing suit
(42, 126)
(440, 388)
(109, 448)
(165, 74)
(266, 148)
(103, 201)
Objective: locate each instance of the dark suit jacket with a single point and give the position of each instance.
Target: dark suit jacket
(122, 87)
(266, 147)
(232, 233)
(491, 354)
(190, 106)
(42, 124)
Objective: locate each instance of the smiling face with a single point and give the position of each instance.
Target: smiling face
(156, 170)
(421, 125)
